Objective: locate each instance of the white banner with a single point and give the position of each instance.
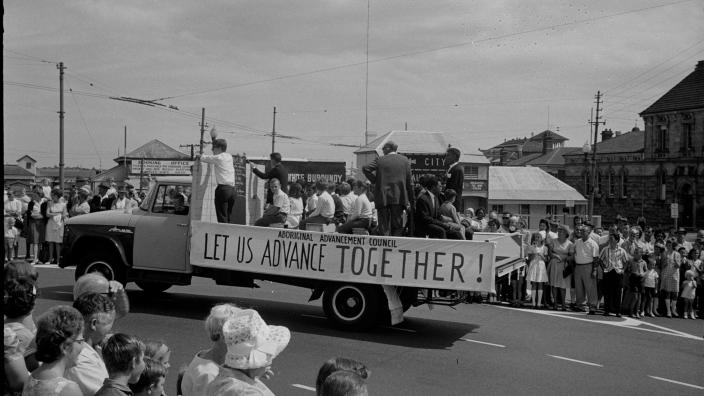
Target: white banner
(159, 167)
(413, 262)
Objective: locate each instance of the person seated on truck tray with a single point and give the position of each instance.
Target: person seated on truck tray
(311, 200)
(449, 215)
(277, 211)
(361, 212)
(428, 222)
(296, 203)
(324, 209)
(339, 214)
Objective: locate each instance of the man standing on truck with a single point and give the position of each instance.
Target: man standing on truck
(225, 177)
(455, 176)
(276, 171)
(393, 189)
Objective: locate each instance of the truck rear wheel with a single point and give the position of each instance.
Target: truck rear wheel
(105, 263)
(153, 287)
(352, 306)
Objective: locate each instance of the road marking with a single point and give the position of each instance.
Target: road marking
(482, 342)
(628, 323)
(308, 388)
(576, 361)
(676, 382)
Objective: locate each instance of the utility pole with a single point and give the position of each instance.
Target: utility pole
(203, 125)
(61, 68)
(273, 132)
(595, 122)
(191, 146)
(124, 156)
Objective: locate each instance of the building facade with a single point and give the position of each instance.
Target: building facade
(642, 173)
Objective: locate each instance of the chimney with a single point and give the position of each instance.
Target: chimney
(606, 134)
(547, 143)
(700, 65)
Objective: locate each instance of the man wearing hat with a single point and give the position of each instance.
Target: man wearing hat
(455, 175)
(681, 234)
(103, 200)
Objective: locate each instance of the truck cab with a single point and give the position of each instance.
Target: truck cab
(147, 246)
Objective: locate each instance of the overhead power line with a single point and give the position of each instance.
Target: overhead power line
(421, 52)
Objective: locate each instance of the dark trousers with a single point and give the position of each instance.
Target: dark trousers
(266, 221)
(356, 223)
(391, 220)
(224, 202)
(612, 291)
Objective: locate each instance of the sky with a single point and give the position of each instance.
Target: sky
(480, 71)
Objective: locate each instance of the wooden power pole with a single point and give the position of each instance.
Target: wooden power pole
(61, 68)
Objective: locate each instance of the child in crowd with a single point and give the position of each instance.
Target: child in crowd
(338, 364)
(650, 285)
(689, 289)
(537, 273)
(635, 271)
(344, 383)
(159, 351)
(124, 358)
(11, 235)
(151, 381)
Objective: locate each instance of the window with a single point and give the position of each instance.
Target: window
(28, 165)
(687, 143)
(497, 208)
(523, 209)
(551, 210)
(624, 183)
(587, 182)
(598, 187)
(611, 180)
(471, 172)
(661, 139)
(172, 199)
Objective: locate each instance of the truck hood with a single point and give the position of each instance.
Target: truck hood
(108, 217)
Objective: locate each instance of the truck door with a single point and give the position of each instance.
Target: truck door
(161, 235)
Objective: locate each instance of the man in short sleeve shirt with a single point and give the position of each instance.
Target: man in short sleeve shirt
(586, 255)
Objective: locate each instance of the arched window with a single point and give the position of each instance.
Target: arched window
(611, 180)
(599, 185)
(661, 186)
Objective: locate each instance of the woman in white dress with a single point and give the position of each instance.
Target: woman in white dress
(56, 213)
(296, 202)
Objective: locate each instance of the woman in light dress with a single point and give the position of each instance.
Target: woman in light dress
(561, 251)
(56, 214)
(537, 273)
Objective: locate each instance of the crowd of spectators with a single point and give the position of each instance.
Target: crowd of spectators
(75, 350)
(36, 216)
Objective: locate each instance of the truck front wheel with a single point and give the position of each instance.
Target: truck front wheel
(106, 264)
(352, 306)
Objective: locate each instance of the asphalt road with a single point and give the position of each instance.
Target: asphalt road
(473, 349)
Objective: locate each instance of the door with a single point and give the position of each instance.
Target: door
(161, 235)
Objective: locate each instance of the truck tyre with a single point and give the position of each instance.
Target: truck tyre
(153, 287)
(105, 263)
(352, 306)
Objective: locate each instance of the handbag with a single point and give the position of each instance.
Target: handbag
(567, 271)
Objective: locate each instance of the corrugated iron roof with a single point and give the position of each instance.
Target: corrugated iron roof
(548, 134)
(155, 149)
(17, 172)
(68, 172)
(687, 94)
(553, 157)
(629, 142)
(518, 183)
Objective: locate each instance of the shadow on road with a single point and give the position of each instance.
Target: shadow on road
(304, 318)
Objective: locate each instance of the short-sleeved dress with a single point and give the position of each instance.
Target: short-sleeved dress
(557, 266)
(670, 274)
(537, 272)
(55, 224)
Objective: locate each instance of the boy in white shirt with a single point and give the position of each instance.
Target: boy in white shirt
(361, 212)
(225, 177)
(278, 210)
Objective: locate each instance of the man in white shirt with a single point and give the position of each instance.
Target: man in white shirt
(278, 210)
(586, 255)
(324, 208)
(98, 313)
(225, 177)
(361, 213)
(347, 197)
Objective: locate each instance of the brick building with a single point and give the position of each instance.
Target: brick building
(640, 173)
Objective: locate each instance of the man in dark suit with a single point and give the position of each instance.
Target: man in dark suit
(393, 189)
(455, 176)
(276, 171)
(427, 215)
